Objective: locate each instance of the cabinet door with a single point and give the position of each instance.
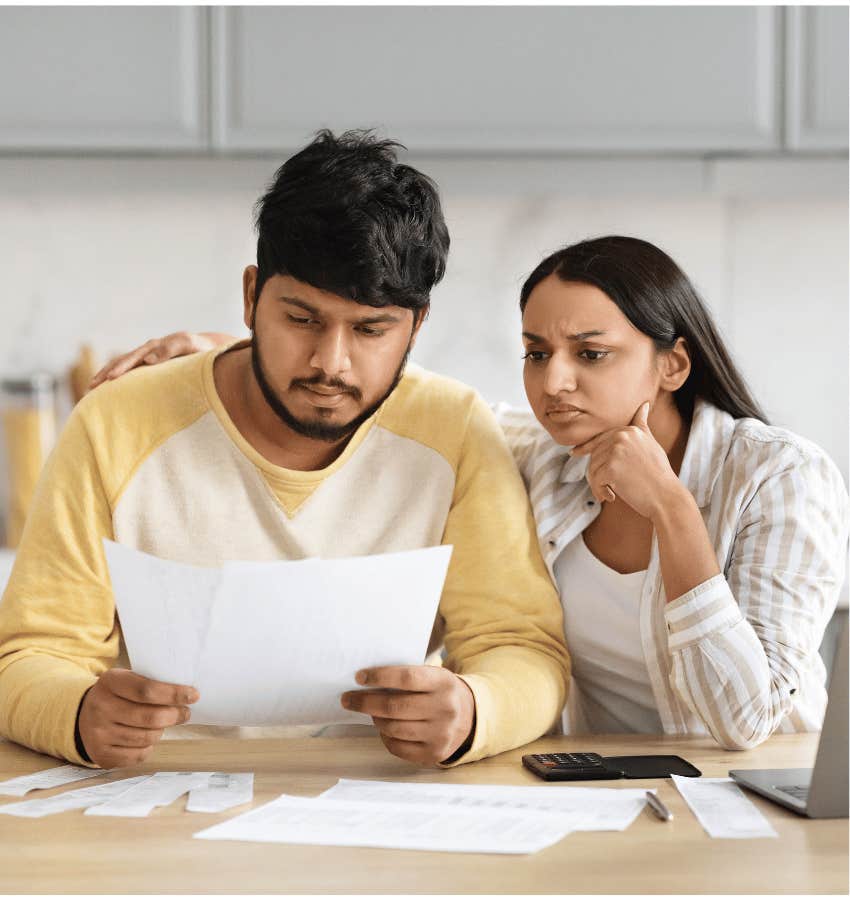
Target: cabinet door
(499, 78)
(817, 83)
(106, 78)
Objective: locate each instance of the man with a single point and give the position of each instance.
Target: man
(311, 439)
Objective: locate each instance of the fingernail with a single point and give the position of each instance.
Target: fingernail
(191, 697)
(346, 703)
(151, 357)
(361, 677)
(186, 716)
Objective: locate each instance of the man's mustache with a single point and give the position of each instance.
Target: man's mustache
(334, 384)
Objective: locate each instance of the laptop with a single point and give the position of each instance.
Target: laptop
(820, 793)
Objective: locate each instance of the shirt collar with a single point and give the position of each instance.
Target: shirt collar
(574, 469)
(708, 445)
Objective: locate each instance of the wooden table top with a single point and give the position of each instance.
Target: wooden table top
(73, 853)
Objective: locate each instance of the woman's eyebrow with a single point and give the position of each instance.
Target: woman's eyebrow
(584, 335)
(578, 336)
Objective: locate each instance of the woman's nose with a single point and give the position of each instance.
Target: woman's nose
(560, 375)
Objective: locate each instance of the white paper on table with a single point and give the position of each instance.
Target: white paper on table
(45, 779)
(578, 808)
(722, 808)
(160, 789)
(78, 799)
(224, 790)
(274, 643)
(317, 820)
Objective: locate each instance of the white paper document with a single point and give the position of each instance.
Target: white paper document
(81, 798)
(47, 778)
(319, 820)
(577, 808)
(275, 643)
(160, 789)
(722, 808)
(224, 790)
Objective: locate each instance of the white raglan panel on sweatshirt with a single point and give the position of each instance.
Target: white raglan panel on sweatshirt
(197, 499)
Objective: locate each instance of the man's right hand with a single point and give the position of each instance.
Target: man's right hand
(123, 714)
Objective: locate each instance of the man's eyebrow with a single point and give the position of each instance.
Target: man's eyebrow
(377, 320)
(381, 318)
(578, 336)
(300, 304)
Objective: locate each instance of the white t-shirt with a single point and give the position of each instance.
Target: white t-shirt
(601, 608)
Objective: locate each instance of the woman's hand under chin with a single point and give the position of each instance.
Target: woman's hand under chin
(157, 350)
(629, 463)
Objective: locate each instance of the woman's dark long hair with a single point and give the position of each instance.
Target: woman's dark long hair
(656, 296)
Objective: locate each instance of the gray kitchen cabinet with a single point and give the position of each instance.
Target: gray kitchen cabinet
(817, 83)
(105, 78)
(500, 79)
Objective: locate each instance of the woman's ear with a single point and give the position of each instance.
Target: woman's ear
(249, 285)
(675, 365)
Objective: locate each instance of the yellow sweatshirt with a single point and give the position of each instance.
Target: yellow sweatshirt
(153, 461)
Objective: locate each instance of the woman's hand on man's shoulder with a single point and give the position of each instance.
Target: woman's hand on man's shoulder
(157, 350)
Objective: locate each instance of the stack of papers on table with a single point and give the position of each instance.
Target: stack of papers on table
(445, 817)
(275, 643)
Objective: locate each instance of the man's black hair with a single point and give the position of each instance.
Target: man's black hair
(344, 216)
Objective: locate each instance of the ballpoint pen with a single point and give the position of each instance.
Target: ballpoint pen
(658, 808)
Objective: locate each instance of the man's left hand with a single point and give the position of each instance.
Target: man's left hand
(423, 713)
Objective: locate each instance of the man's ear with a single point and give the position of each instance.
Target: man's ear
(675, 366)
(249, 286)
(419, 316)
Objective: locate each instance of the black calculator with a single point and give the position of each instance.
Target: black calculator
(569, 766)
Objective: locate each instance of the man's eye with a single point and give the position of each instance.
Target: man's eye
(371, 332)
(299, 320)
(594, 355)
(535, 355)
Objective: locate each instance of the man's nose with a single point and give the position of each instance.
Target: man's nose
(331, 352)
(560, 375)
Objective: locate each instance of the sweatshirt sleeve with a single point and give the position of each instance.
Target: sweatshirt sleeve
(740, 640)
(57, 618)
(503, 619)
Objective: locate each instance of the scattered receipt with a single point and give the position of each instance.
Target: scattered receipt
(317, 820)
(722, 808)
(47, 778)
(81, 798)
(212, 628)
(160, 789)
(224, 790)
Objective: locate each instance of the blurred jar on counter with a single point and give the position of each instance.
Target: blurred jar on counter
(28, 416)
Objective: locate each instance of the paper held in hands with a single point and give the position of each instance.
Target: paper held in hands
(275, 643)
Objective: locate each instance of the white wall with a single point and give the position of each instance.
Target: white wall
(116, 250)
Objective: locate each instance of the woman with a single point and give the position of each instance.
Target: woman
(698, 551)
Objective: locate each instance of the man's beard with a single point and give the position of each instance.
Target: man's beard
(317, 431)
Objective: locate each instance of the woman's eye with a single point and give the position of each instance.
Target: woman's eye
(535, 355)
(594, 355)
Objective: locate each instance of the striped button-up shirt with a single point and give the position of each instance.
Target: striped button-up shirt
(736, 656)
